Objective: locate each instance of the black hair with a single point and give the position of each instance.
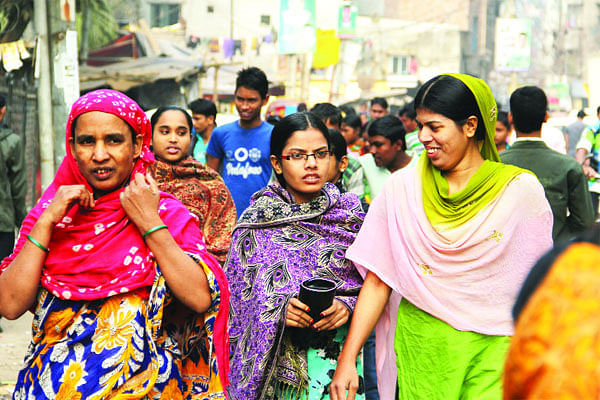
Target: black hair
(160, 110)
(598, 110)
(450, 97)
(353, 121)
(273, 119)
(74, 125)
(347, 110)
(204, 107)
(381, 101)
(287, 126)
(528, 106)
(338, 146)
(253, 78)
(503, 119)
(390, 128)
(2, 101)
(302, 107)
(327, 111)
(408, 110)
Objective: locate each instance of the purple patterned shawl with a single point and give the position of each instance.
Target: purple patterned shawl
(276, 245)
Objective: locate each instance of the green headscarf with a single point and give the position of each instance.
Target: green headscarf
(446, 211)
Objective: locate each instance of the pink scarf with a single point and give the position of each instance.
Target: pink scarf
(468, 277)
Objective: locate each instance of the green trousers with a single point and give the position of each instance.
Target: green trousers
(436, 361)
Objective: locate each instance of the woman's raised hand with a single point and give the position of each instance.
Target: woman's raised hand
(296, 314)
(140, 201)
(333, 317)
(66, 197)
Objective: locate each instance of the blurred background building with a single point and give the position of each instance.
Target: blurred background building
(343, 51)
(354, 50)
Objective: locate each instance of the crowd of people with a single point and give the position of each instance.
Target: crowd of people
(167, 258)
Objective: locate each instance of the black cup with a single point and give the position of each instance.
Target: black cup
(318, 294)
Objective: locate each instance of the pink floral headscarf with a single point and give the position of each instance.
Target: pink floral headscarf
(112, 102)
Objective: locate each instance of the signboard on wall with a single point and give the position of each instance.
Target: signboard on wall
(347, 20)
(513, 44)
(297, 27)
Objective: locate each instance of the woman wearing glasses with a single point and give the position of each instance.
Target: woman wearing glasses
(295, 229)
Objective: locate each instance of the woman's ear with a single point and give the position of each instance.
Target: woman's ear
(276, 163)
(343, 163)
(137, 146)
(470, 127)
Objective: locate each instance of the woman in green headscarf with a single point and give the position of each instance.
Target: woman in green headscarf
(444, 250)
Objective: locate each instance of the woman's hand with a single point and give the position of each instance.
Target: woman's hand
(333, 317)
(372, 299)
(19, 283)
(66, 197)
(344, 379)
(140, 201)
(296, 314)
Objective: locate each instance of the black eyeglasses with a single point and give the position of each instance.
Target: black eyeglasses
(319, 155)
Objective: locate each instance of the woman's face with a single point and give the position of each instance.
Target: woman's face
(171, 137)
(446, 143)
(501, 134)
(104, 150)
(304, 178)
(350, 134)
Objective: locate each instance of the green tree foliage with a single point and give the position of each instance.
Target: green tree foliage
(15, 15)
(102, 24)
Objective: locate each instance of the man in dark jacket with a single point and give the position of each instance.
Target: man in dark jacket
(561, 176)
(13, 185)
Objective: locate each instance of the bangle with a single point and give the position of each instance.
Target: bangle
(38, 244)
(156, 228)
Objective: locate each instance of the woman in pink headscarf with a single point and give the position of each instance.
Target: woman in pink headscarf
(127, 302)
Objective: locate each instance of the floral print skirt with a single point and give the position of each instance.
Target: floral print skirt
(120, 347)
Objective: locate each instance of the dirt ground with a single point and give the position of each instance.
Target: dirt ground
(13, 346)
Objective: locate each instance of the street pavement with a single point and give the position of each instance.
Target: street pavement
(13, 346)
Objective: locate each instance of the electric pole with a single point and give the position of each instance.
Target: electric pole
(65, 68)
(44, 94)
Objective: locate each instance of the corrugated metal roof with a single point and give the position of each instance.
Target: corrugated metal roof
(124, 75)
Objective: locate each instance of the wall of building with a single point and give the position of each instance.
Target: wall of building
(213, 18)
(593, 80)
(436, 47)
(447, 12)
(391, 29)
(248, 17)
(589, 57)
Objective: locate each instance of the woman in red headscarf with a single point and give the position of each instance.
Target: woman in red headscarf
(127, 301)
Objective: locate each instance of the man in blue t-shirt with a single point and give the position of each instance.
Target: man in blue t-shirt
(240, 150)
